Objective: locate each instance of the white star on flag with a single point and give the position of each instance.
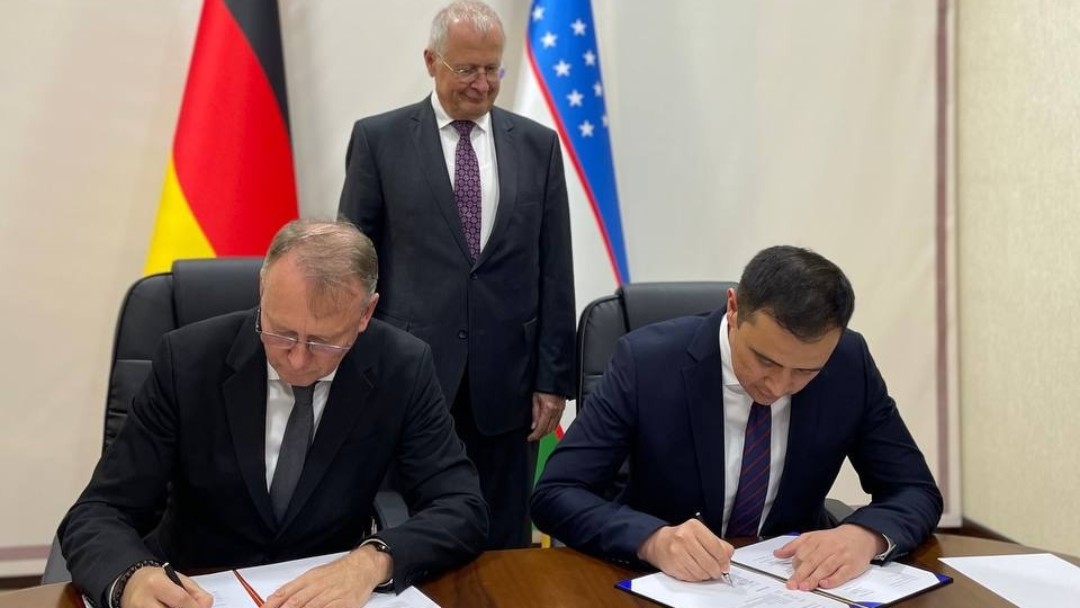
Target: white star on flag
(560, 65)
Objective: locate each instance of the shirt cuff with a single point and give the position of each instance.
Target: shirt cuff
(880, 557)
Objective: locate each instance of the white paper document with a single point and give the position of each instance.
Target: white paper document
(878, 585)
(229, 591)
(749, 590)
(759, 580)
(1038, 579)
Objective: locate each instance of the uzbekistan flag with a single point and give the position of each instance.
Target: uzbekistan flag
(229, 185)
(561, 87)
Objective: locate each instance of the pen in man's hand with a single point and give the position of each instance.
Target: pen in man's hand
(171, 573)
(724, 576)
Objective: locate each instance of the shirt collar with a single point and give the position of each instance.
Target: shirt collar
(442, 119)
(272, 375)
(727, 372)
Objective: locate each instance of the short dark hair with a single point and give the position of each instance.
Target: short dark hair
(802, 291)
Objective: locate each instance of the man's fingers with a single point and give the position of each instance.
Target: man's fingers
(171, 594)
(720, 550)
(812, 573)
(202, 598)
(544, 420)
(790, 548)
(710, 559)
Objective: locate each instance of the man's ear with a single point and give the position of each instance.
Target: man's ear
(369, 311)
(732, 307)
(429, 61)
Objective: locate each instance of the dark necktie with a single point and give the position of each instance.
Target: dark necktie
(299, 432)
(467, 186)
(754, 476)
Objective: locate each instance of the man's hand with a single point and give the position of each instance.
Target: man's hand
(346, 582)
(150, 587)
(830, 558)
(688, 552)
(547, 411)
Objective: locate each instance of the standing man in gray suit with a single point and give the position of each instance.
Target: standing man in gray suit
(467, 206)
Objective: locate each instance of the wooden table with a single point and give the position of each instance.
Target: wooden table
(564, 578)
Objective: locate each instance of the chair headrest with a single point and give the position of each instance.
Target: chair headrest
(648, 303)
(215, 286)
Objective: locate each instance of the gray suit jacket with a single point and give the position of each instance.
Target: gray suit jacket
(508, 317)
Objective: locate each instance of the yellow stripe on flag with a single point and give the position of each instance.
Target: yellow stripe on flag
(177, 234)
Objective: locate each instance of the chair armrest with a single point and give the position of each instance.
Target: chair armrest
(390, 509)
(838, 510)
(55, 566)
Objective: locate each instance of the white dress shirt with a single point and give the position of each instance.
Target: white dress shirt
(279, 404)
(736, 413)
(483, 143)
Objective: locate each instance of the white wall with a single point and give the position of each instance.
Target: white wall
(736, 125)
(1019, 184)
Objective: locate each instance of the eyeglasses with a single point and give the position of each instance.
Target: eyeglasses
(493, 73)
(272, 340)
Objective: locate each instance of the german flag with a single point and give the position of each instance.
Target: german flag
(229, 185)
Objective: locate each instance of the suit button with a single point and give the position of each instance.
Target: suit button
(473, 276)
(463, 334)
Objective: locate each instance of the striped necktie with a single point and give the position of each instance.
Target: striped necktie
(754, 476)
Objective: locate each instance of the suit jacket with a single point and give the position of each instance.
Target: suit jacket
(510, 315)
(193, 446)
(661, 403)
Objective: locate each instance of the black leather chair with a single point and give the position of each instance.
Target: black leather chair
(635, 305)
(195, 290)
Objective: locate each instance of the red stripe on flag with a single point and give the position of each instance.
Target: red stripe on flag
(231, 151)
(574, 160)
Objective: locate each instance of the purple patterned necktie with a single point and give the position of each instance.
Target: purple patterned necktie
(467, 186)
(754, 477)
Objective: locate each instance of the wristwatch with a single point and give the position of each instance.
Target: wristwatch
(381, 547)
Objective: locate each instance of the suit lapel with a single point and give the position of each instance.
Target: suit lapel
(705, 400)
(425, 135)
(507, 165)
(245, 409)
(347, 400)
(803, 428)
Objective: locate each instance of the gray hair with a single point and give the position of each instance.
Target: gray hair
(481, 16)
(332, 255)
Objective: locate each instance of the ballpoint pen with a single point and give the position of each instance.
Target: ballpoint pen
(171, 573)
(724, 576)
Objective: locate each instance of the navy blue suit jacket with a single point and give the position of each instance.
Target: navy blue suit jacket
(661, 403)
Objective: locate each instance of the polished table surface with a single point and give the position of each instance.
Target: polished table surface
(563, 578)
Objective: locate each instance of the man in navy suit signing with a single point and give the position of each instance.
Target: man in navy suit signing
(736, 423)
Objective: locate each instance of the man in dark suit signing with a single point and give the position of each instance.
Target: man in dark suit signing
(467, 206)
(263, 436)
(736, 424)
